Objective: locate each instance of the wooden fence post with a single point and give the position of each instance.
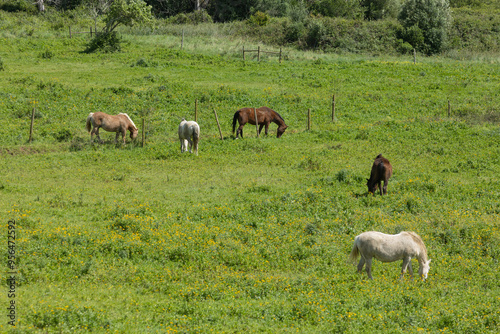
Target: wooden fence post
(333, 108)
(143, 132)
(182, 41)
(69, 31)
(256, 121)
(449, 108)
(309, 119)
(218, 125)
(258, 53)
(243, 52)
(31, 126)
(280, 55)
(414, 56)
(90, 32)
(196, 110)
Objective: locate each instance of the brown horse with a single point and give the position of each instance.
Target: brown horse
(381, 171)
(265, 116)
(113, 123)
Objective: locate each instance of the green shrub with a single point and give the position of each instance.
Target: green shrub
(258, 19)
(47, 54)
(15, 6)
(106, 42)
(379, 9)
(432, 17)
(293, 31)
(316, 34)
(2, 66)
(338, 8)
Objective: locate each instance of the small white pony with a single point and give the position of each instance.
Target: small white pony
(389, 248)
(188, 130)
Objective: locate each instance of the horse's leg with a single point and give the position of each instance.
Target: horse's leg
(385, 186)
(368, 267)
(380, 187)
(410, 270)
(260, 128)
(182, 145)
(406, 263)
(190, 144)
(361, 264)
(97, 135)
(239, 131)
(267, 128)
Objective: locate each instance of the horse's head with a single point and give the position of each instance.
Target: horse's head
(372, 186)
(281, 130)
(133, 133)
(424, 268)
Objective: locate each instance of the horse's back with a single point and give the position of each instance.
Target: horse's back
(188, 129)
(383, 165)
(385, 247)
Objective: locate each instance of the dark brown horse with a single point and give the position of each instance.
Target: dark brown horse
(265, 116)
(381, 171)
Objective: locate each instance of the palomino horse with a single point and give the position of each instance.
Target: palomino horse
(113, 123)
(381, 171)
(389, 248)
(188, 130)
(265, 116)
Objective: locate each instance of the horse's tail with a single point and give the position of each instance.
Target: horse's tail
(196, 138)
(354, 253)
(381, 169)
(88, 124)
(235, 118)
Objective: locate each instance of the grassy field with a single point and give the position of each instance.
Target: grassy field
(251, 235)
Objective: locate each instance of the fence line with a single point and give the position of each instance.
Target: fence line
(71, 33)
(259, 51)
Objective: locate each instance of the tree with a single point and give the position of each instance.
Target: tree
(120, 12)
(97, 8)
(128, 13)
(430, 18)
(379, 9)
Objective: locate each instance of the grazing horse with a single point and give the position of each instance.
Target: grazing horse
(265, 116)
(188, 130)
(113, 123)
(381, 171)
(389, 248)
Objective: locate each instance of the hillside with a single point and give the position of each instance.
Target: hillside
(253, 234)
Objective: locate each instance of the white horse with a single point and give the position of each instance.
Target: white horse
(188, 130)
(389, 248)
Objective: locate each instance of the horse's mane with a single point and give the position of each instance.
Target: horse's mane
(276, 114)
(130, 119)
(419, 241)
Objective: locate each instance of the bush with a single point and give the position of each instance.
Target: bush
(293, 31)
(196, 17)
(258, 19)
(432, 18)
(15, 6)
(338, 8)
(316, 34)
(106, 42)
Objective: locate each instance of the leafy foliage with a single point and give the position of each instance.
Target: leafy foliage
(127, 13)
(430, 18)
(120, 12)
(105, 42)
(378, 9)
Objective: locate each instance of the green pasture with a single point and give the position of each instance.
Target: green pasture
(253, 234)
